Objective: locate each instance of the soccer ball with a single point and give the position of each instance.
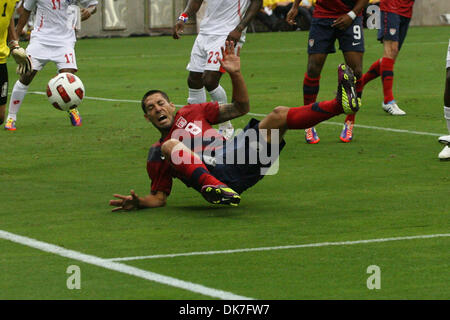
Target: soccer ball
(65, 91)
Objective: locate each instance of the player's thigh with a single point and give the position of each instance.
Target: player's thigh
(65, 58)
(321, 37)
(389, 27)
(213, 49)
(198, 55)
(352, 39)
(39, 55)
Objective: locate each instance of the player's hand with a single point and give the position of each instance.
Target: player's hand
(234, 36)
(126, 203)
(230, 61)
(343, 22)
(178, 29)
(22, 59)
(290, 17)
(85, 14)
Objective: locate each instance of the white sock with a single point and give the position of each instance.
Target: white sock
(447, 117)
(219, 95)
(18, 94)
(196, 96)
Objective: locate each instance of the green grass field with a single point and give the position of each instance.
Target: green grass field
(56, 181)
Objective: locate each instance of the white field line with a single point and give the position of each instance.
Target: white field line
(120, 267)
(310, 245)
(263, 115)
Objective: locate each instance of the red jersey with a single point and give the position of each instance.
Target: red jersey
(332, 8)
(192, 124)
(400, 7)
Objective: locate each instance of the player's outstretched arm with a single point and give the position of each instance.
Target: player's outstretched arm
(231, 62)
(344, 21)
(19, 54)
(191, 9)
(86, 13)
(133, 202)
(293, 12)
(251, 12)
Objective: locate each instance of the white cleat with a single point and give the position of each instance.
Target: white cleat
(444, 155)
(226, 130)
(392, 108)
(444, 140)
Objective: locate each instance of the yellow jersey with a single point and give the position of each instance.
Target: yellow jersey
(7, 8)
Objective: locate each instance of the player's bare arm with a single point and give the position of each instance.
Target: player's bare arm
(236, 34)
(231, 62)
(293, 12)
(191, 9)
(23, 20)
(134, 202)
(344, 21)
(86, 13)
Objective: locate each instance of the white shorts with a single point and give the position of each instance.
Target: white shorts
(63, 57)
(448, 55)
(206, 52)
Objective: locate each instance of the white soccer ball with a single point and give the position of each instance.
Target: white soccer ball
(65, 91)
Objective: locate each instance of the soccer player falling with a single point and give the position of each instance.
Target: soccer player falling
(220, 180)
(223, 20)
(52, 39)
(341, 20)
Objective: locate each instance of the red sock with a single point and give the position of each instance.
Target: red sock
(193, 169)
(387, 77)
(310, 89)
(308, 116)
(373, 72)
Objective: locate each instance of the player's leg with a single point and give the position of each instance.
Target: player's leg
(354, 60)
(197, 92)
(196, 66)
(445, 153)
(18, 94)
(321, 40)
(3, 90)
(191, 167)
(284, 118)
(66, 61)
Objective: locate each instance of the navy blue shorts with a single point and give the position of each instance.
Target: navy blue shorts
(237, 165)
(393, 27)
(322, 36)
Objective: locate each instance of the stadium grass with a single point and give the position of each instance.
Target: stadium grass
(56, 181)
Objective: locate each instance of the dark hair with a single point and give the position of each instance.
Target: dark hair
(150, 93)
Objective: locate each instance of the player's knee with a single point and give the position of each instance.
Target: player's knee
(278, 114)
(167, 147)
(448, 77)
(211, 81)
(195, 81)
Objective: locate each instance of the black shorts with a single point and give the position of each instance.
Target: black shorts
(322, 36)
(393, 27)
(237, 164)
(3, 84)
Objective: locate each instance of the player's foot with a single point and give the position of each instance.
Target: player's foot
(347, 131)
(220, 195)
(444, 155)
(75, 117)
(311, 136)
(392, 108)
(10, 124)
(444, 140)
(346, 93)
(226, 130)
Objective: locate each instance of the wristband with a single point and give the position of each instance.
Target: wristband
(352, 15)
(183, 17)
(13, 44)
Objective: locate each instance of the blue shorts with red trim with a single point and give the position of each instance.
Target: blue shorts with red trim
(393, 27)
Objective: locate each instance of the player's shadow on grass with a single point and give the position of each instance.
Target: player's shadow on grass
(210, 211)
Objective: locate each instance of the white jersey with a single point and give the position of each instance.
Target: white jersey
(54, 21)
(222, 16)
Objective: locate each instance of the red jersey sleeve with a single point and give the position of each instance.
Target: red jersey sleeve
(159, 172)
(211, 111)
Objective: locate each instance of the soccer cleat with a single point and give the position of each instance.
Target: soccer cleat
(347, 131)
(75, 117)
(226, 130)
(220, 195)
(392, 108)
(346, 93)
(10, 124)
(311, 136)
(444, 140)
(444, 155)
